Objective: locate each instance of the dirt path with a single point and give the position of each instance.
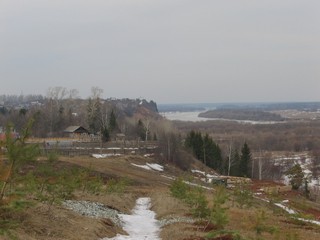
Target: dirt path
(141, 225)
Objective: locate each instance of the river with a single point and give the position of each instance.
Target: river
(194, 117)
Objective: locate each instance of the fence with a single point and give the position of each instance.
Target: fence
(69, 148)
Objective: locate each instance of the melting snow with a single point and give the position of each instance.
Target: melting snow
(288, 210)
(208, 177)
(104, 155)
(141, 225)
(291, 211)
(150, 166)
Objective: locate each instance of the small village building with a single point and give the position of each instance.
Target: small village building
(120, 137)
(76, 131)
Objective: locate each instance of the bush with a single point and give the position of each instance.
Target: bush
(224, 234)
(198, 202)
(117, 186)
(183, 160)
(260, 226)
(53, 156)
(243, 195)
(194, 197)
(179, 189)
(218, 215)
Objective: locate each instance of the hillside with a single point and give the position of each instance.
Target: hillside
(45, 220)
(53, 115)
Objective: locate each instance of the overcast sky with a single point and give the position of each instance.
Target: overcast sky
(169, 51)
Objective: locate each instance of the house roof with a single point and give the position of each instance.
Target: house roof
(73, 129)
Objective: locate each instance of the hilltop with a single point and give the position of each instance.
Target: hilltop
(44, 220)
(77, 185)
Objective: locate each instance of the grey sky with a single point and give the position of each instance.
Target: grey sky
(169, 51)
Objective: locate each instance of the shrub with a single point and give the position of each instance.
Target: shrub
(260, 226)
(218, 215)
(198, 202)
(179, 189)
(53, 156)
(243, 195)
(117, 186)
(224, 234)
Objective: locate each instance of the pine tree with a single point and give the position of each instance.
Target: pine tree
(245, 160)
(112, 122)
(235, 159)
(17, 152)
(194, 141)
(296, 176)
(205, 149)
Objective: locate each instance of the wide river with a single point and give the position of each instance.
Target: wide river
(183, 116)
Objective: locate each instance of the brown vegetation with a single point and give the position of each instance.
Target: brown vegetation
(59, 223)
(286, 136)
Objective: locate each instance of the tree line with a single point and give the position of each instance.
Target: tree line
(209, 152)
(62, 108)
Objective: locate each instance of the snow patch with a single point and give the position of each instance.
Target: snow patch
(288, 210)
(188, 183)
(208, 177)
(105, 155)
(150, 166)
(141, 225)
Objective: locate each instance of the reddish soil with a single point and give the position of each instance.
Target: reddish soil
(225, 237)
(204, 226)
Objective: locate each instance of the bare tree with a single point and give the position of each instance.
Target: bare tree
(73, 94)
(315, 163)
(57, 93)
(96, 92)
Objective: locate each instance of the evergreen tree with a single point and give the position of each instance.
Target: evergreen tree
(155, 138)
(113, 126)
(245, 160)
(235, 160)
(105, 135)
(17, 153)
(296, 176)
(205, 149)
(194, 142)
(212, 153)
(140, 130)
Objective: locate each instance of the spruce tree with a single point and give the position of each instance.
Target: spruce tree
(296, 176)
(235, 163)
(245, 160)
(205, 149)
(112, 122)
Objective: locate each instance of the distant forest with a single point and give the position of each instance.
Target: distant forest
(183, 107)
(242, 114)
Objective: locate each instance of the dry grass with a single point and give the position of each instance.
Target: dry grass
(165, 205)
(244, 220)
(180, 231)
(60, 223)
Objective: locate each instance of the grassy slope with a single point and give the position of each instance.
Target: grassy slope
(58, 223)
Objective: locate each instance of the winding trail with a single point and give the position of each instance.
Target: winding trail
(141, 225)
